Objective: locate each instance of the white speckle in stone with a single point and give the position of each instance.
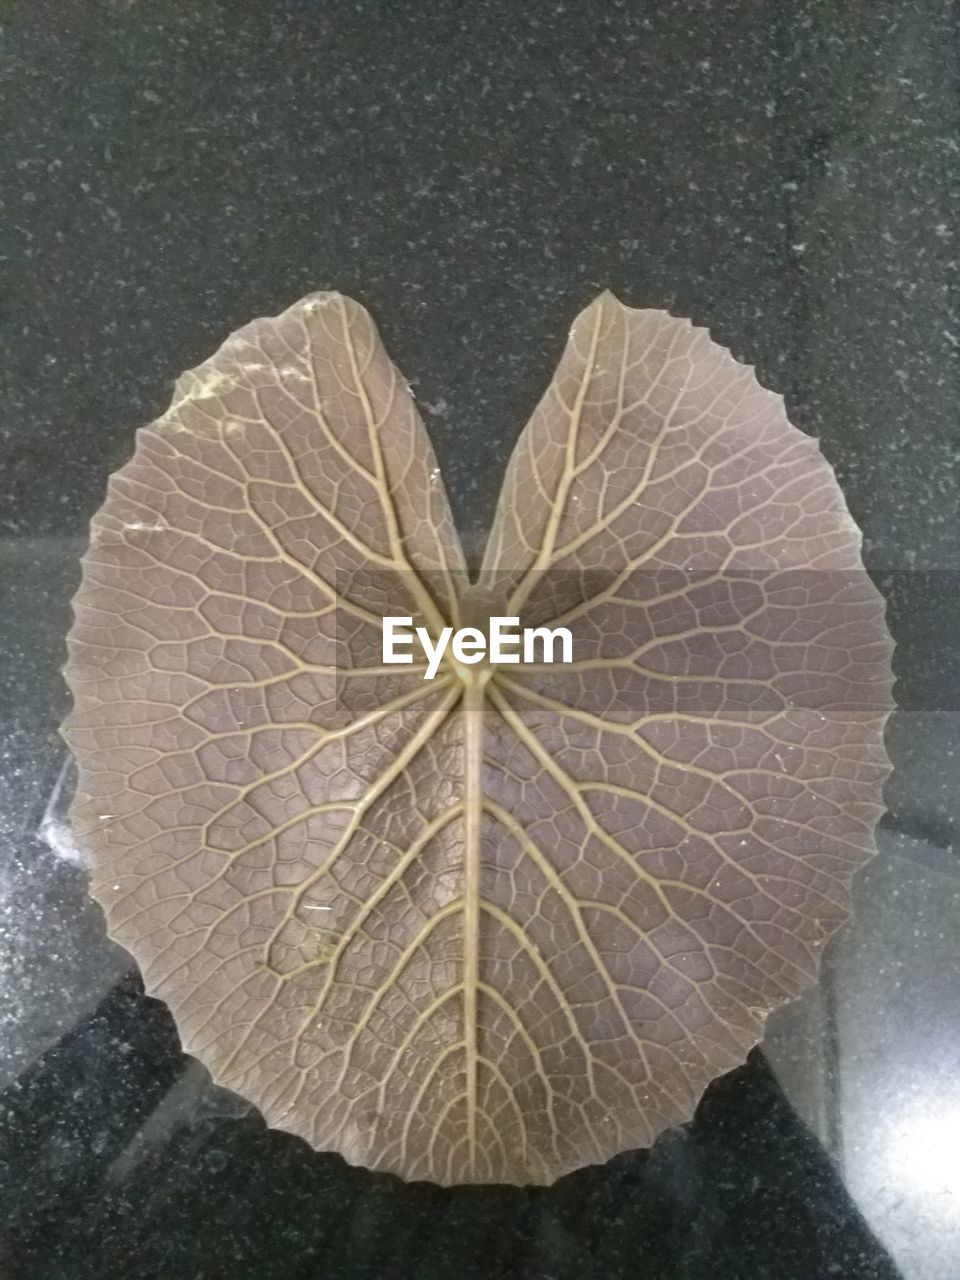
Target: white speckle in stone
(59, 837)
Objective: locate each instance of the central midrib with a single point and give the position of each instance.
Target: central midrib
(473, 718)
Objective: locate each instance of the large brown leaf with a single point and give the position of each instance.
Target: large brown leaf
(508, 922)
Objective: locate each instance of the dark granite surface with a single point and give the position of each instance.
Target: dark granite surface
(787, 175)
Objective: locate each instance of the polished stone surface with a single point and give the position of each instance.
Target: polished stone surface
(787, 175)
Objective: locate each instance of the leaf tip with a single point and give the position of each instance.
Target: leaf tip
(608, 301)
(321, 299)
(605, 305)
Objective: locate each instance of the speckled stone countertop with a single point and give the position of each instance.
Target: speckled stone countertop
(786, 175)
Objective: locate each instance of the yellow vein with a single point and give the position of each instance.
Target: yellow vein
(558, 505)
(473, 728)
(425, 600)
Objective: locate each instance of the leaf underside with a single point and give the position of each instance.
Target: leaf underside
(499, 925)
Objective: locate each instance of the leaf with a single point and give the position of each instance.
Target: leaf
(511, 921)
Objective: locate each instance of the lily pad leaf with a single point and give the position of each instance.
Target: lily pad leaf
(499, 924)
